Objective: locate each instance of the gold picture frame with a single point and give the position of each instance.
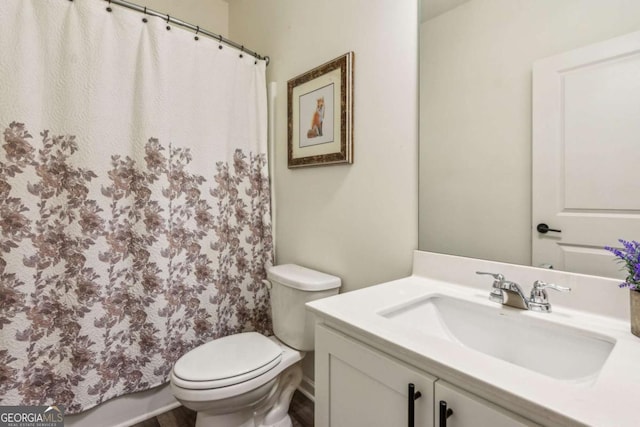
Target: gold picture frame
(320, 115)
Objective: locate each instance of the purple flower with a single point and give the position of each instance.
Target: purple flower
(629, 255)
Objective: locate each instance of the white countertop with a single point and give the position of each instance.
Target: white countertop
(610, 399)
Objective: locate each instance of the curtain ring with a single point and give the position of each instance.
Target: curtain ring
(109, 9)
(220, 41)
(196, 38)
(242, 51)
(145, 18)
(168, 19)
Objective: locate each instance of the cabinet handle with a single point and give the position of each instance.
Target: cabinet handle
(444, 413)
(413, 396)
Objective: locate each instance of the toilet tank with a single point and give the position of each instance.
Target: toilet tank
(292, 286)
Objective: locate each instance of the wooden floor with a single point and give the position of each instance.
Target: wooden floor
(301, 412)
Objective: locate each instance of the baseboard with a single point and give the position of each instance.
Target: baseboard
(307, 387)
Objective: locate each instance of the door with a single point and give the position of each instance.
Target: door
(357, 386)
(586, 155)
(467, 409)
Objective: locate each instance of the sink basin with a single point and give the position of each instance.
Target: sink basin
(558, 351)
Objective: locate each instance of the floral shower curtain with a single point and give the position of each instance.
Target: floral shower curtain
(134, 200)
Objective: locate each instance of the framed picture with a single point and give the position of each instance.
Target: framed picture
(320, 113)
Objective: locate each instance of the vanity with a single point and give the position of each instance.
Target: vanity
(433, 349)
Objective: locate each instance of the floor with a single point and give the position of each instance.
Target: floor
(301, 412)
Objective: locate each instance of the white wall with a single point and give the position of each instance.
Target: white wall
(212, 15)
(429, 9)
(357, 221)
(475, 115)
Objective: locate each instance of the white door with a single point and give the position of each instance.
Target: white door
(586, 155)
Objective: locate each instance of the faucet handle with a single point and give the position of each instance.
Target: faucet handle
(540, 285)
(496, 294)
(499, 277)
(539, 300)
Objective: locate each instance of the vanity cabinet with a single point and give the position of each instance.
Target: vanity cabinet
(471, 410)
(359, 386)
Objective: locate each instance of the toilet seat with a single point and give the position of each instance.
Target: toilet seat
(186, 391)
(226, 361)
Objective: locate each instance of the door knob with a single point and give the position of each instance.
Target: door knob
(544, 228)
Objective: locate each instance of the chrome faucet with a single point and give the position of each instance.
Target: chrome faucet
(509, 293)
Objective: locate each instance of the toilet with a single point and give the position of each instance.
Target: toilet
(248, 379)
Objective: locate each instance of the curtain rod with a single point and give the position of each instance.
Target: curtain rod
(197, 29)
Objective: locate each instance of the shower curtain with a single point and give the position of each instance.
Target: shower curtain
(134, 199)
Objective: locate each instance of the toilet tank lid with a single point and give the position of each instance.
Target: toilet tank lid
(302, 278)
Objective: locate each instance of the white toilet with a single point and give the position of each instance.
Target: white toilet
(247, 379)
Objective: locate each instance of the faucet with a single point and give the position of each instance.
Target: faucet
(509, 293)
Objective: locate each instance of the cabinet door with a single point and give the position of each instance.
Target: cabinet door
(357, 386)
(470, 410)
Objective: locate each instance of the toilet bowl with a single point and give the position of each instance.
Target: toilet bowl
(248, 379)
(238, 392)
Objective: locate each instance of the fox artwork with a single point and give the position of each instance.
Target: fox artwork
(317, 119)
